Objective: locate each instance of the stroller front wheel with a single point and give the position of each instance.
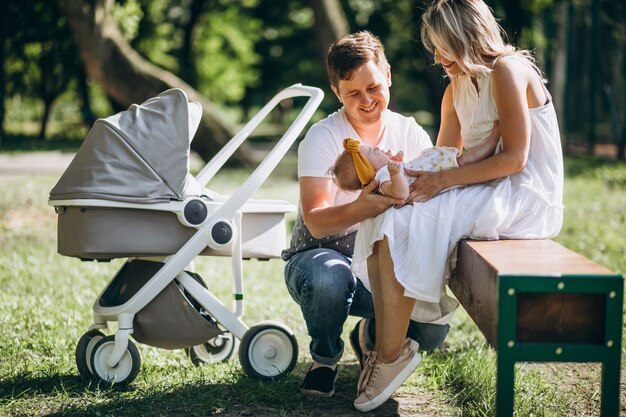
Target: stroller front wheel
(126, 369)
(268, 350)
(219, 349)
(84, 347)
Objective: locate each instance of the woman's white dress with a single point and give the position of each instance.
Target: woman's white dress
(423, 236)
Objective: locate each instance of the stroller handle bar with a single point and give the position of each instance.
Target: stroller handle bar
(260, 174)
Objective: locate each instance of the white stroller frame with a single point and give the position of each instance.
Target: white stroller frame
(268, 349)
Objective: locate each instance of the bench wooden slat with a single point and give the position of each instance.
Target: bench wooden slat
(541, 318)
(542, 256)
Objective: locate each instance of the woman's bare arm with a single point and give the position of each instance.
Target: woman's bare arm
(510, 80)
(450, 128)
(482, 151)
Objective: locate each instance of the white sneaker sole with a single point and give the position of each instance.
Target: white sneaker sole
(392, 387)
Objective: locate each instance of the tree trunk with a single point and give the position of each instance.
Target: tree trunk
(515, 19)
(47, 105)
(330, 24)
(187, 67)
(83, 92)
(3, 38)
(128, 78)
(621, 146)
(558, 79)
(432, 75)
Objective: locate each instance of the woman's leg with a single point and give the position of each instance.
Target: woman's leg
(395, 357)
(393, 319)
(373, 272)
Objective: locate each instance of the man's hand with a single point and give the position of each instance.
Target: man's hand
(371, 204)
(426, 185)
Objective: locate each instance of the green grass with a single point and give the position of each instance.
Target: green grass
(45, 306)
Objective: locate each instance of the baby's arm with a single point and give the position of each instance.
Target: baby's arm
(482, 151)
(397, 186)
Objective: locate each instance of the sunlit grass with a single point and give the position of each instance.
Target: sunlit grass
(45, 306)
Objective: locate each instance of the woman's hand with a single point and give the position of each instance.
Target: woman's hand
(426, 185)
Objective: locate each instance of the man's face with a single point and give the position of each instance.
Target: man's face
(366, 95)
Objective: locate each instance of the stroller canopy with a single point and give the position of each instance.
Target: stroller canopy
(140, 155)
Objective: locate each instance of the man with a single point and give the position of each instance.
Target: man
(317, 272)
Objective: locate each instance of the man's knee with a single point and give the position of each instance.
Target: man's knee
(320, 274)
(429, 336)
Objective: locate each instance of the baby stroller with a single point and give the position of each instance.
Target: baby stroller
(128, 193)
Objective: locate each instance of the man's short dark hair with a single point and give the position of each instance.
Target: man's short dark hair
(351, 52)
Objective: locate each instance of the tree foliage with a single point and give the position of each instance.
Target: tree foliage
(218, 57)
(238, 53)
(41, 58)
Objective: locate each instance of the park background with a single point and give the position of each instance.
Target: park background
(65, 63)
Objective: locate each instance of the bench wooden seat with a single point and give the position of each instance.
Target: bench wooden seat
(535, 300)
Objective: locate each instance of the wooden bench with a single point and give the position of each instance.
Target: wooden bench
(537, 301)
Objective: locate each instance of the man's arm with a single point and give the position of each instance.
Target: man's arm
(317, 195)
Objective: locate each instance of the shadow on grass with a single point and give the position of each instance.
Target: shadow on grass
(70, 395)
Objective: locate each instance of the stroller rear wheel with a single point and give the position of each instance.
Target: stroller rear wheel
(268, 350)
(126, 369)
(84, 347)
(219, 349)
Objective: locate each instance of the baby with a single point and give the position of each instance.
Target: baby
(359, 164)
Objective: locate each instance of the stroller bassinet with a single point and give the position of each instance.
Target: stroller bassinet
(128, 193)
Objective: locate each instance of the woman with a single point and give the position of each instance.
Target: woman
(402, 253)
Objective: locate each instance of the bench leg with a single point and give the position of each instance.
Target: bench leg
(505, 385)
(610, 388)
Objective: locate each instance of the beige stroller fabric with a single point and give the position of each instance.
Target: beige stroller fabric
(171, 322)
(140, 155)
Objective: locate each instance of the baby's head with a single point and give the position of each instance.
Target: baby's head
(344, 171)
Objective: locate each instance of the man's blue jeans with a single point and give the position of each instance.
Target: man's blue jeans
(321, 282)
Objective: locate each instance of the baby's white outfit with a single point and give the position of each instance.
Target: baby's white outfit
(423, 237)
(433, 159)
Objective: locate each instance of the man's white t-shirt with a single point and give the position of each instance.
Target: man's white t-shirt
(318, 152)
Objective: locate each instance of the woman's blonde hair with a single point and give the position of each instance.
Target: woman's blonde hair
(468, 31)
